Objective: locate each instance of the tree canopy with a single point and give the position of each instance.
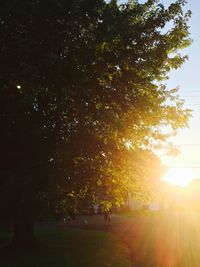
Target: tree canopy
(83, 99)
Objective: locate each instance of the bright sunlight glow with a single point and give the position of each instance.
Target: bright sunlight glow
(180, 176)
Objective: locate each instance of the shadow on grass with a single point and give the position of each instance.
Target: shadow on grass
(69, 247)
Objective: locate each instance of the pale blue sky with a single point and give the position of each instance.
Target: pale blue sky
(188, 78)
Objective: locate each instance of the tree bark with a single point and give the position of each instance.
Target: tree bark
(23, 233)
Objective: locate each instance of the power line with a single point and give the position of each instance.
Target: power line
(189, 95)
(192, 106)
(188, 144)
(183, 167)
(185, 92)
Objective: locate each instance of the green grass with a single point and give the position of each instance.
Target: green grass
(139, 213)
(69, 247)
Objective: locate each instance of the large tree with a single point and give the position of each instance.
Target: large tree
(82, 101)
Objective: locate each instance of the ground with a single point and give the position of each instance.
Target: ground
(169, 239)
(58, 246)
(163, 239)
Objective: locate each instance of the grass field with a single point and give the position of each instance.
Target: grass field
(170, 239)
(165, 239)
(68, 248)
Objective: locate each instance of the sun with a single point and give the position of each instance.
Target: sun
(180, 176)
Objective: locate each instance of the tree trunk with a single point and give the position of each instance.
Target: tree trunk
(23, 233)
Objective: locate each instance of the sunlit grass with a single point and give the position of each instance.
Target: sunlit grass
(171, 239)
(178, 240)
(140, 213)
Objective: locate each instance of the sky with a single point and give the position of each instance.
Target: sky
(188, 79)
